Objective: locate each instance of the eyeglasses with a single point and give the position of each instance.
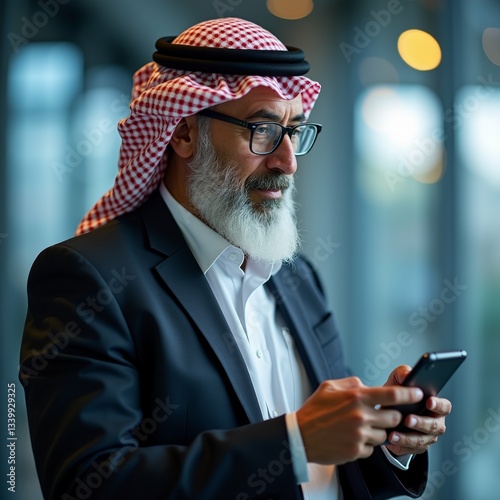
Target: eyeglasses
(265, 137)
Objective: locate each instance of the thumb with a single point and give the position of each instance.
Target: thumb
(398, 375)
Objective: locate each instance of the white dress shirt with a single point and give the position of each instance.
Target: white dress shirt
(266, 345)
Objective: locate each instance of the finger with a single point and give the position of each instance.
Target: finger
(376, 437)
(439, 406)
(345, 383)
(384, 418)
(427, 425)
(412, 442)
(398, 375)
(392, 395)
(365, 451)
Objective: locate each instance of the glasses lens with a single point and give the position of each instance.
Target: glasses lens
(265, 137)
(303, 138)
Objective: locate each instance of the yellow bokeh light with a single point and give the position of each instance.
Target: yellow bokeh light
(290, 9)
(419, 49)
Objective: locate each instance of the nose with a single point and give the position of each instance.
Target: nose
(283, 158)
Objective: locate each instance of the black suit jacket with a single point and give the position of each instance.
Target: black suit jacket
(135, 387)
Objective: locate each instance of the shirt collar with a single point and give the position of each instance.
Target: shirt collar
(206, 244)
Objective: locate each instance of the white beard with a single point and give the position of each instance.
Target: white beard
(264, 232)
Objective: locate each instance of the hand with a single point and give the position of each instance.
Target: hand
(429, 427)
(339, 422)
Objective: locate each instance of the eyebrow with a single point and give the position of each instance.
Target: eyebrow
(269, 115)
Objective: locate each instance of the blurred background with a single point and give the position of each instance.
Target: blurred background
(399, 199)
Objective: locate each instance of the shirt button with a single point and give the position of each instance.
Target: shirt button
(259, 353)
(275, 413)
(232, 256)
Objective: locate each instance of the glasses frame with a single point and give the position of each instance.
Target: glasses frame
(210, 113)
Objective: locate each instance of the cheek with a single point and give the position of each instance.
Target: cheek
(250, 166)
(234, 150)
(246, 165)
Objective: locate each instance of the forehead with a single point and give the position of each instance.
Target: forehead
(263, 98)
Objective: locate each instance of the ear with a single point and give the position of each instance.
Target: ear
(183, 139)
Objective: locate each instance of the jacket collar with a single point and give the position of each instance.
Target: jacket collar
(182, 275)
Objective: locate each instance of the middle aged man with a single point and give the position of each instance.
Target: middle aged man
(178, 347)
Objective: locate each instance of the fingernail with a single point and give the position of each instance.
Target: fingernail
(412, 422)
(395, 438)
(418, 393)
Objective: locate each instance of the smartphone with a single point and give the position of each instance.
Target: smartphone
(431, 373)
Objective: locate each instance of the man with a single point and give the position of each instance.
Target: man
(178, 347)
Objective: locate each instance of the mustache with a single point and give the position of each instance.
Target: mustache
(269, 182)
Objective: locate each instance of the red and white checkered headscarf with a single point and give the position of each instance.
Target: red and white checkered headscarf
(161, 97)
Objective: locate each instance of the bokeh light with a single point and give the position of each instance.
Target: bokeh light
(375, 70)
(419, 50)
(491, 44)
(477, 134)
(290, 9)
(399, 133)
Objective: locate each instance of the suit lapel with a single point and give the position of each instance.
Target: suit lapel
(293, 305)
(181, 274)
(294, 310)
